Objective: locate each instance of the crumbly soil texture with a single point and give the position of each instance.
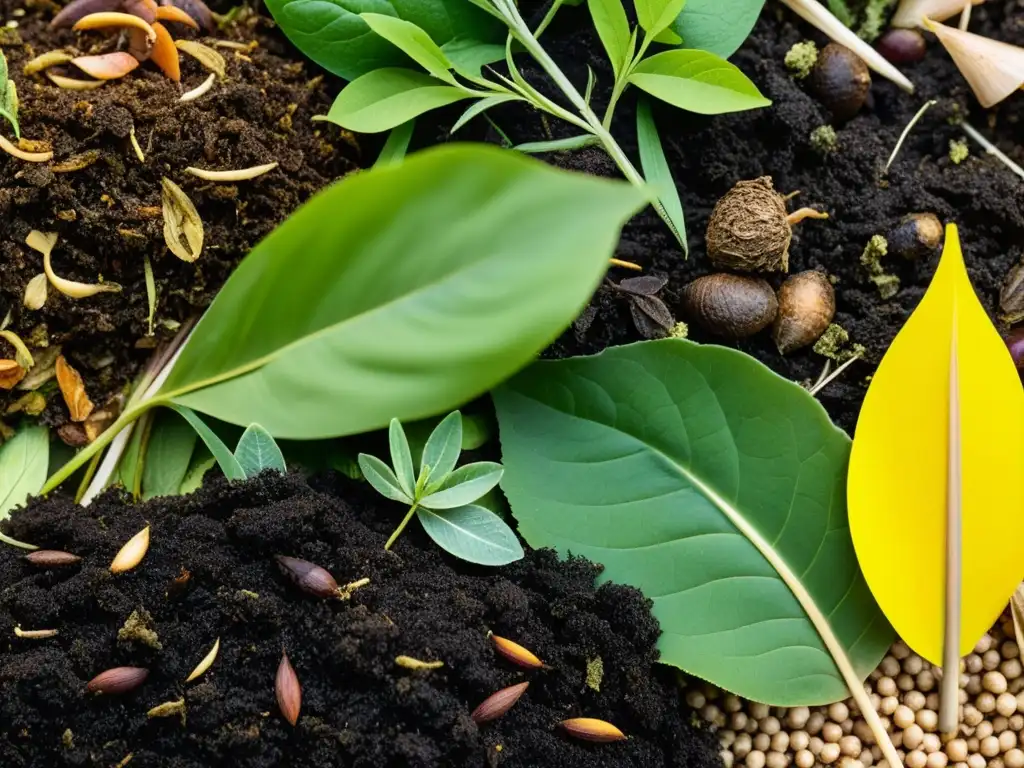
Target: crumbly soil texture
(210, 573)
(108, 212)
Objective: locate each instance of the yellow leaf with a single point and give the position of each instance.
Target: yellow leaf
(942, 421)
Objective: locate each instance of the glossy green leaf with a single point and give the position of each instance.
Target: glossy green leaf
(481, 106)
(413, 41)
(401, 457)
(717, 26)
(655, 16)
(23, 463)
(441, 452)
(397, 145)
(202, 462)
(613, 29)
(668, 37)
(472, 533)
(407, 305)
(470, 56)
(656, 169)
(225, 458)
(332, 34)
(382, 478)
(464, 486)
(172, 442)
(385, 98)
(717, 488)
(256, 452)
(697, 81)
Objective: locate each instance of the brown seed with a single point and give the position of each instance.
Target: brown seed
(515, 653)
(118, 680)
(749, 230)
(902, 46)
(591, 729)
(289, 692)
(497, 704)
(308, 577)
(732, 306)
(51, 558)
(840, 81)
(915, 236)
(807, 304)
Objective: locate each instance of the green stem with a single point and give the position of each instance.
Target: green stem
(622, 82)
(548, 18)
(401, 526)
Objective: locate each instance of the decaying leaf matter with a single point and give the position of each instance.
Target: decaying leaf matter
(73, 389)
(183, 229)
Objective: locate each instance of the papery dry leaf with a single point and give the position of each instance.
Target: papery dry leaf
(73, 389)
(35, 292)
(31, 404)
(1011, 297)
(183, 229)
(993, 69)
(912, 13)
(44, 370)
(44, 243)
(205, 55)
(10, 374)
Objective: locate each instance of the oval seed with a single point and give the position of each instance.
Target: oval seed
(118, 680)
(132, 552)
(35, 292)
(497, 704)
(51, 558)
(592, 729)
(516, 653)
(242, 174)
(308, 576)
(206, 663)
(289, 692)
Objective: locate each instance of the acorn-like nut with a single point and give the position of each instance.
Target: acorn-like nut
(52, 558)
(915, 236)
(731, 306)
(807, 304)
(118, 680)
(902, 46)
(308, 577)
(749, 230)
(840, 81)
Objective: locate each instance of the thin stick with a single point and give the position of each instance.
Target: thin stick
(965, 15)
(949, 693)
(824, 372)
(832, 376)
(625, 265)
(992, 149)
(906, 131)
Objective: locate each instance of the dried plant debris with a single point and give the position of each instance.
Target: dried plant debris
(10, 374)
(871, 259)
(834, 344)
(73, 389)
(140, 628)
(205, 55)
(45, 243)
(35, 292)
(183, 229)
(1011, 295)
(651, 316)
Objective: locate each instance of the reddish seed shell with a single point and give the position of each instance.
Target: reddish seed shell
(288, 690)
(591, 729)
(1015, 343)
(118, 680)
(497, 704)
(51, 558)
(902, 46)
(516, 653)
(309, 577)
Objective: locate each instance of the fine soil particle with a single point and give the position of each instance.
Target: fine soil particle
(108, 214)
(358, 707)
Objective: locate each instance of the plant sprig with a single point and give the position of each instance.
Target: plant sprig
(442, 497)
(8, 98)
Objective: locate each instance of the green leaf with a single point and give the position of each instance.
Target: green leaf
(228, 463)
(441, 453)
(401, 457)
(464, 486)
(613, 28)
(470, 56)
(407, 305)
(382, 478)
(472, 533)
(717, 488)
(23, 463)
(256, 451)
(397, 144)
(168, 456)
(697, 81)
(482, 106)
(8, 98)
(132, 463)
(414, 42)
(332, 34)
(655, 16)
(668, 37)
(385, 98)
(202, 462)
(558, 145)
(656, 169)
(717, 26)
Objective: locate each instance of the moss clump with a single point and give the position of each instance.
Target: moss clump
(824, 139)
(679, 331)
(801, 58)
(834, 343)
(871, 260)
(139, 628)
(595, 673)
(876, 12)
(958, 151)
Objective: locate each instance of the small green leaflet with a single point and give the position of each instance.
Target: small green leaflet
(8, 97)
(655, 16)
(473, 534)
(172, 441)
(256, 451)
(656, 169)
(613, 30)
(23, 465)
(412, 41)
(228, 463)
(697, 81)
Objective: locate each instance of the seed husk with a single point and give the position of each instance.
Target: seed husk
(10, 373)
(183, 229)
(44, 243)
(28, 157)
(497, 704)
(52, 558)
(288, 689)
(118, 680)
(205, 55)
(308, 576)
(591, 729)
(242, 174)
(408, 662)
(35, 292)
(73, 389)
(72, 84)
(206, 663)
(131, 554)
(807, 304)
(516, 653)
(35, 634)
(749, 229)
(47, 60)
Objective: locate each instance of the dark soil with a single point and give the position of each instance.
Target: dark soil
(358, 707)
(108, 215)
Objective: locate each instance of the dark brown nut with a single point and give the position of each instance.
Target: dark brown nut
(52, 558)
(731, 306)
(840, 81)
(749, 229)
(308, 576)
(118, 680)
(497, 704)
(917, 235)
(807, 304)
(902, 46)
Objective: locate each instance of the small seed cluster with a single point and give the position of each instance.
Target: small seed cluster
(905, 691)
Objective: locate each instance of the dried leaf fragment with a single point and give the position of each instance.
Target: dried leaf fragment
(77, 162)
(73, 389)
(288, 690)
(992, 68)
(21, 353)
(10, 374)
(44, 243)
(206, 663)
(131, 554)
(35, 292)
(1011, 295)
(183, 229)
(205, 55)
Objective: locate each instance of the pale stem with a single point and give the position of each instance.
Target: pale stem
(965, 16)
(548, 18)
(992, 149)
(401, 526)
(949, 692)
(906, 131)
(625, 265)
(826, 380)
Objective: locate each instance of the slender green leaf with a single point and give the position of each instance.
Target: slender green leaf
(591, 82)
(472, 533)
(717, 488)
(202, 462)
(407, 305)
(656, 169)
(256, 451)
(401, 457)
(172, 442)
(717, 26)
(464, 486)
(133, 460)
(441, 453)
(23, 463)
(697, 81)
(332, 34)
(382, 478)
(8, 97)
(476, 431)
(655, 16)
(228, 463)
(613, 29)
(397, 144)
(414, 42)
(386, 98)
(558, 145)
(481, 106)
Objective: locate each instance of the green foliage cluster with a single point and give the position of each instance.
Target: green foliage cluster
(866, 17)
(8, 97)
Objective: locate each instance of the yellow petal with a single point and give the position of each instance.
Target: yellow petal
(912, 13)
(898, 483)
(993, 69)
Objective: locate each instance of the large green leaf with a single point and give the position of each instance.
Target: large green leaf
(697, 81)
(332, 34)
(717, 26)
(168, 456)
(402, 292)
(716, 487)
(23, 463)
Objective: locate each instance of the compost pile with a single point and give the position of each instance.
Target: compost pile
(210, 573)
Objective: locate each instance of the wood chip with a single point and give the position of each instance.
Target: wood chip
(73, 389)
